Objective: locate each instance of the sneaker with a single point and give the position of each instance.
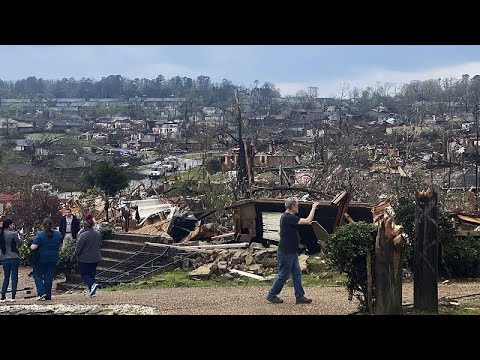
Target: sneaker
(93, 290)
(12, 300)
(275, 300)
(41, 298)
(303, 300)
(3, 300)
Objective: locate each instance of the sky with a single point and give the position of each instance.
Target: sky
(290, 67)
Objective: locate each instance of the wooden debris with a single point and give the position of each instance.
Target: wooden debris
(244, 273)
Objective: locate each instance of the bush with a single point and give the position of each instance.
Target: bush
(461, 257)
(66, 261)
(24, 252)
(347, 252)
(452, 249)
(106, 231)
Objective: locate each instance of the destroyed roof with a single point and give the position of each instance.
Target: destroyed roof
(21, 169)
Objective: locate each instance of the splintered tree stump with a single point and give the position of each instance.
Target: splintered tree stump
(425, 272)
(389, 256)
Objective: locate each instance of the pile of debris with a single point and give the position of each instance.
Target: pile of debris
(254, 261)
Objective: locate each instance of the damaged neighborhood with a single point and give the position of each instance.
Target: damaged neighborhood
(188, 181)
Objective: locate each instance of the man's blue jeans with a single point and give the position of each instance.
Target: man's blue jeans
(288, 263)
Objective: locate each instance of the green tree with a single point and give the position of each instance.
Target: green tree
(108, 178)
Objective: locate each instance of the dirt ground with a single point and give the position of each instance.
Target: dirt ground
(249, 300)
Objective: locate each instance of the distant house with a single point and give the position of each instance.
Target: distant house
(265, 121)
(300, 125)
(8, 123)
(63, 125)
(23, 144)
(273, 160)
(148, 140)
(167, 130)
(104, 124)
(122, 123)
(23, 127)
(63, 102)
(7, 102)
(228, 161)
(27, 119)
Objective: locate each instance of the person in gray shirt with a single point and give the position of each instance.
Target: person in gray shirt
(88, 253)
(9, 243)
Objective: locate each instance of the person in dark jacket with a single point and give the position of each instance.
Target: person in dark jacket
(287, 256)
(88, 253)
(9, 244)
(69, 227)
(47, 243)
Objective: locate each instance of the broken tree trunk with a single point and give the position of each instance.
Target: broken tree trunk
(249, 161)
(389, 256)
(425, 272)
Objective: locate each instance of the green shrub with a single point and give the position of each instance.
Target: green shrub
(452, 249)
(24, 252)
(106, 231)
(66, 261)
(347, 252)
(461, 257)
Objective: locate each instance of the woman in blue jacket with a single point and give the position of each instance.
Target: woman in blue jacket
(47, 243)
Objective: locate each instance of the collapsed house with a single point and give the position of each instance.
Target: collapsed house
(258, 220)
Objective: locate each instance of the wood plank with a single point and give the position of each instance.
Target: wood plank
(339, 197)
(319, 231)
(349, 218)
(222, 236)
(247, 274)
(195, 232)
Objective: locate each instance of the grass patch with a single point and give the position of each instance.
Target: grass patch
(461, 310)
(193, 156)
(313, 279)
(179, 278)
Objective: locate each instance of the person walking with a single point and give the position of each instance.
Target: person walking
(10, 242)
(69, 227)
(47, 243)
(287, 256)
(88, 253)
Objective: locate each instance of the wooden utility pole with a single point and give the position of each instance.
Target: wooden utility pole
(425, 271)
(389, 256)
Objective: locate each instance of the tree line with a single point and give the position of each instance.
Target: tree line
(202, 89)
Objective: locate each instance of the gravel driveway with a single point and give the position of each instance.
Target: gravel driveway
(249, 300)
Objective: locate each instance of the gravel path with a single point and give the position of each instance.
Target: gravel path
(228, 300)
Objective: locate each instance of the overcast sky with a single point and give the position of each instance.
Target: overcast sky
(289, 67)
